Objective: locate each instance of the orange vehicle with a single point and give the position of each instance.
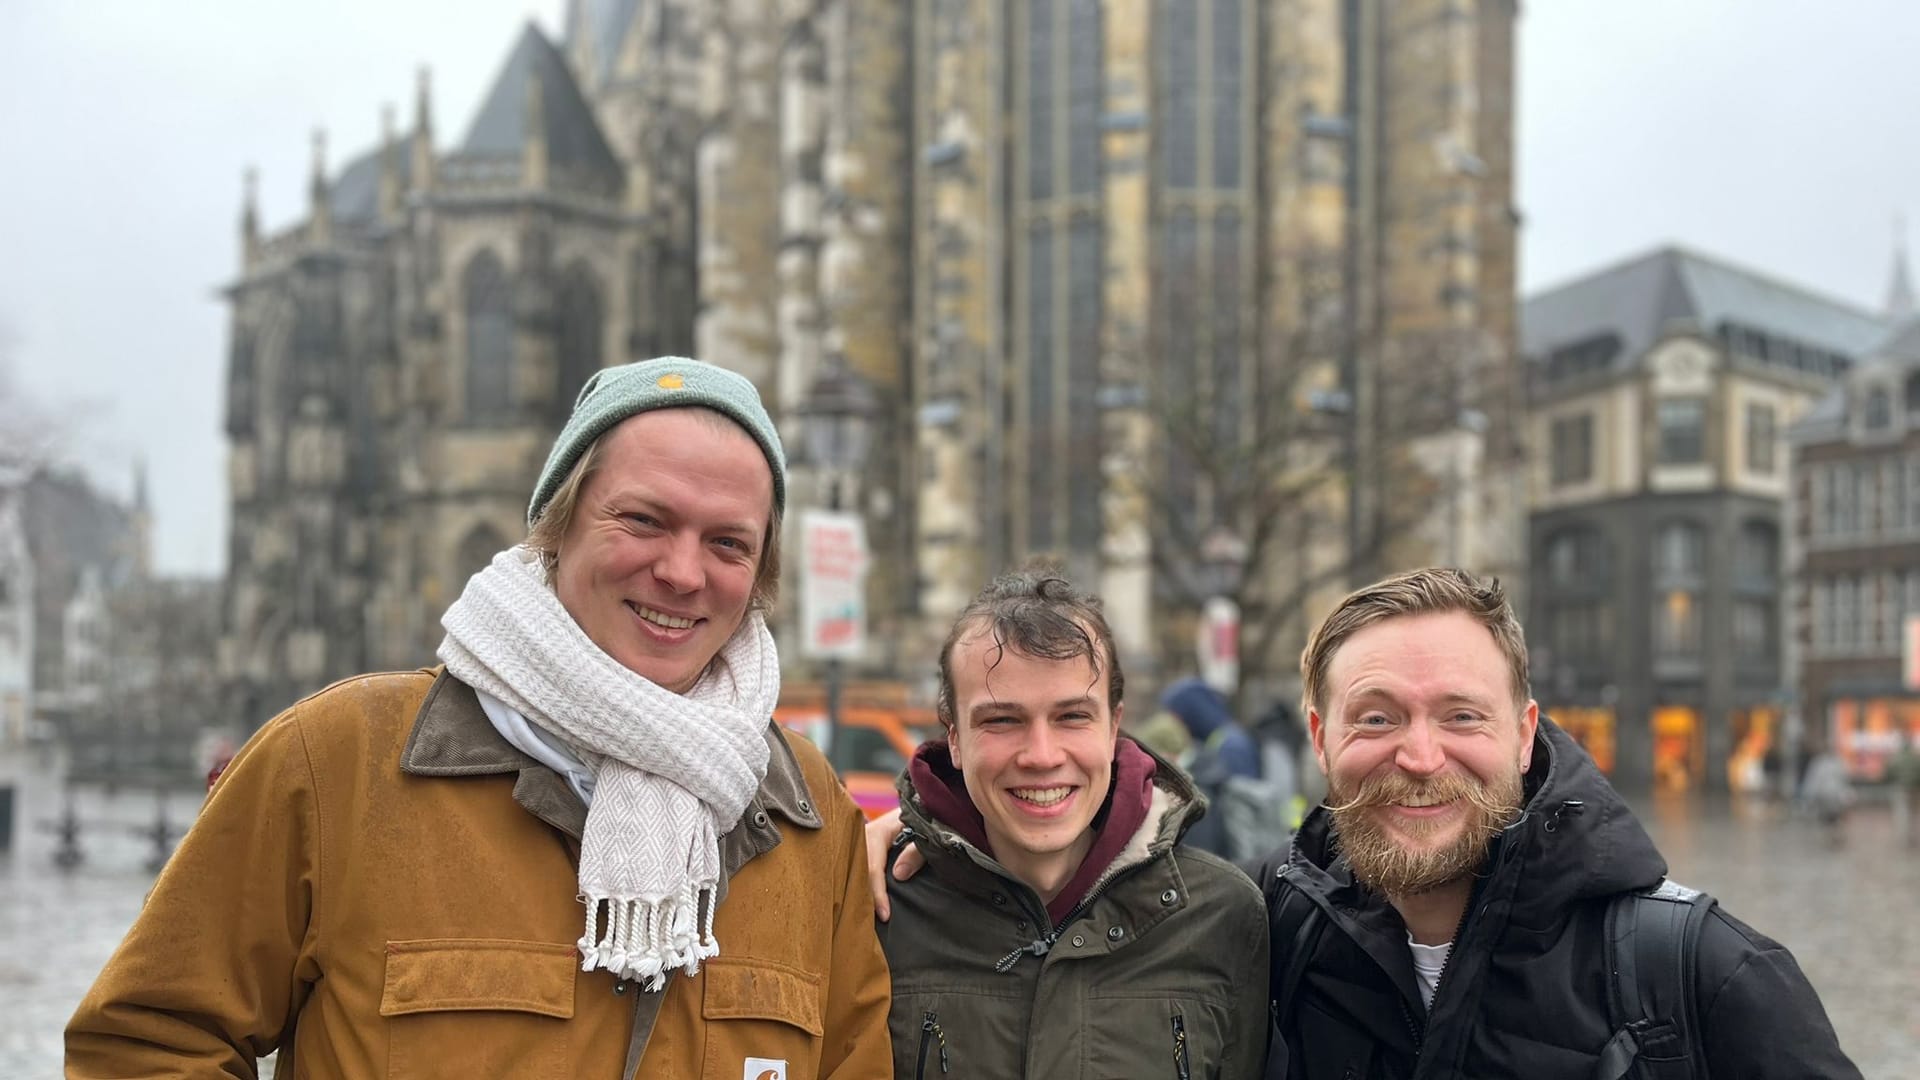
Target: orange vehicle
(875, 743)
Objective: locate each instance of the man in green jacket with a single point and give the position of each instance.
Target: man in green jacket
(1060, 928)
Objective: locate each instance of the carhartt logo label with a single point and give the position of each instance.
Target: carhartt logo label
(764, 1069)
(675, 382)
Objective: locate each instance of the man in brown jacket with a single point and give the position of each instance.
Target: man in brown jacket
(580, 848)
(1060, 928)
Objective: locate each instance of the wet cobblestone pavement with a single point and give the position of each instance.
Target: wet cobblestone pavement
(1847, 903)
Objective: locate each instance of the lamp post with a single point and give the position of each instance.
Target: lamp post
(837, 428)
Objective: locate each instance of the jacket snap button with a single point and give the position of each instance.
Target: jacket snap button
(620, 987)
(1022, 924)
(1079, 940)
(1114, 933)
(806, 807)
(999, 899)
(760, 818)
(1169, 897)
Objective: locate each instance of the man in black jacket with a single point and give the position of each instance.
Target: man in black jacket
(1445, 913)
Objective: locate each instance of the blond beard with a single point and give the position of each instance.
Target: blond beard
(1388, 865)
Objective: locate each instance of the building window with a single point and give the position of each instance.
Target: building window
(1821, 602)
(1757, 556)
(1041, 452)
(1582, 633)
(1572, 449)
(1680, 552)
(1843, 500)
(1913, 395)
(1084, 254)
(1676, 623)
(1911, 468)
(1761, 438)
(1879, 411)
(1753, 629)
(1683, 431)
(1178, 42)
(1085, 92)
(579, 331)
(1039, 125)
(1846, 614)
(489, 325)
(1576, 556)
(1890, 612)
(1228, 92)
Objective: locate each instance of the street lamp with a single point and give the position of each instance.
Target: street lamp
(837, 428)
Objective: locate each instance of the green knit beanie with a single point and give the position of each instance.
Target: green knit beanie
(670, 382)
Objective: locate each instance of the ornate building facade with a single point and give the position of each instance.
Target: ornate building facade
(1127, 278)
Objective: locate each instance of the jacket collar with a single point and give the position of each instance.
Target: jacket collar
(452, 737)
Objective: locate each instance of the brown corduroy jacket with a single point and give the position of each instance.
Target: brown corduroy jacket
(381, 886)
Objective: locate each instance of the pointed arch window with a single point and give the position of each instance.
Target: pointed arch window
(489, 323)
(580, 333)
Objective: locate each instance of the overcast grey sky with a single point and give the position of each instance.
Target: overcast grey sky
(1776, 133)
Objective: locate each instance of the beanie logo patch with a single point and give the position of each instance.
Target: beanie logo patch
(671, 382)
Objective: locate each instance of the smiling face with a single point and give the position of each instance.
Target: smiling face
(657, 564)
(1423, 745)
(1034, 739)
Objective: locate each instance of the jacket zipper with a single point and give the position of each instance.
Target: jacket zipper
(930, 1033)
(1180, 1048)
(1043, 944)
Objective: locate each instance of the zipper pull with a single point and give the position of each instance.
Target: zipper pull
(1038, 947)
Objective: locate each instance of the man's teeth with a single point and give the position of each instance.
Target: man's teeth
(1046, 796)
(673, 622)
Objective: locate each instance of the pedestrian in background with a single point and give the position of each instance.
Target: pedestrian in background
(1061, 926)
(579, 848)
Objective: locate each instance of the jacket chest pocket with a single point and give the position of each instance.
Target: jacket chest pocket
(469, 1007)
(762, 1019)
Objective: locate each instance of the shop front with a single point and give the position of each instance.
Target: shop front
(1868, 732)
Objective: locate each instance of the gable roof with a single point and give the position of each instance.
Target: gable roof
(1635, 301)
(573, 136)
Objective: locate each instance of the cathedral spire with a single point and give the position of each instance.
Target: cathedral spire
(320, 219)
(390, 181)
(250, 217)
(423, 133)
(1900, 303)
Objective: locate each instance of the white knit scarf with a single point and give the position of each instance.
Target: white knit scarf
(673, 772)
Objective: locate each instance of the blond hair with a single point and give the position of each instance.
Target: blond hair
(1432, 591)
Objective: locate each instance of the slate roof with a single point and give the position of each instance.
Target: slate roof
(573, 136)
(355, 196)
(1636, 300)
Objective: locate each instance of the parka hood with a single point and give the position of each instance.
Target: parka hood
(1575, 839)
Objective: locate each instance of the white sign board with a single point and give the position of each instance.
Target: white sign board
(833, 585)
(1218, 644)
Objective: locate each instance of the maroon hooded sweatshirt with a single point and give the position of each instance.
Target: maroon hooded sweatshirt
(943, 790)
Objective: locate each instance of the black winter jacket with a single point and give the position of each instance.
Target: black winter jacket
(1524, 993)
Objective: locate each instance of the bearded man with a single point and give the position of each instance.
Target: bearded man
(1446, 912)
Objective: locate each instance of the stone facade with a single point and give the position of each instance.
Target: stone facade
(1043, 232)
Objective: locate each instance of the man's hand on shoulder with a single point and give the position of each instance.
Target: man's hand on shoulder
(881, 833)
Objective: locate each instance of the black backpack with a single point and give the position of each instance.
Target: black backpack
(1652, 940)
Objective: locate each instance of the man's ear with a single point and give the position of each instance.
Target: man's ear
(1529, 723)
(1318, 729)
(1118, 711)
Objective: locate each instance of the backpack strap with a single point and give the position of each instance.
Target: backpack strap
(1294, 906)
(1652, 940)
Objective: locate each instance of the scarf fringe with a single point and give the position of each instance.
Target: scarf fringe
(645, 939)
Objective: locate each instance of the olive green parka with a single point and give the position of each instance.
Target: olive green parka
(1160, 972)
